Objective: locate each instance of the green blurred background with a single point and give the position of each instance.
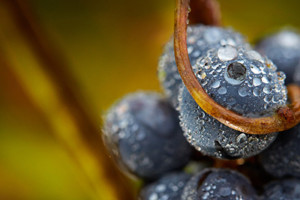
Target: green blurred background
(110, 48)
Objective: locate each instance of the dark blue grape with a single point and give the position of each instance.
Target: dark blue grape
(282, 158)
(200, 39)
(288, 189)
(142, 132)
(240, 80)
(169, 187)
(283, 48)
(218, 184)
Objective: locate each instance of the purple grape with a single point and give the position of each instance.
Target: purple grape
(287, 189)
(218, 184)
(283, 48)
(282, 158)
(200, 39)
(240, 80)
(168, 187)
(142, 132)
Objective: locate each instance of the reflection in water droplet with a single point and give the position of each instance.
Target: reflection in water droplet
(235, 73)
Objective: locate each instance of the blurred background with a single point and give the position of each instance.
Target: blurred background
(64, 62)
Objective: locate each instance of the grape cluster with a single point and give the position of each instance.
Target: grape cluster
(159, 138)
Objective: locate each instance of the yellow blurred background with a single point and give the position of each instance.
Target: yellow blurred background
(64, 62)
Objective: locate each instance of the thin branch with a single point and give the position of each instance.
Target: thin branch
(56, 67)
(205, 12)
(284, 119)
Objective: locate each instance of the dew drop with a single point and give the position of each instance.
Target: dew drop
(225, 191)
(203, 75)
(266, 106)
(153, 196)
(190, 49)
(227, 53)
(216, 84)
(122, 134)
(161, 188)
(256, 82)
(243, 91)
(200, 43)
(256, 92)
(196, 54)
(281, 76)
(205, 196)
(255, 69)
(254, 55)
(267, 89)
(201, 114)
(275, 99)
(241, 138)
(231, 42)
(267, 99)
(264, 79)
(222, 90)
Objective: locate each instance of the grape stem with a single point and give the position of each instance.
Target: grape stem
(85, 133)
(285, 117)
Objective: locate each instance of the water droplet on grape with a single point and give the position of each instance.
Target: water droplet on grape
(243, 91)
(267, 89)
(256, 82)
(216, 84)
(222, 90)
(227, 53)
(255, 69)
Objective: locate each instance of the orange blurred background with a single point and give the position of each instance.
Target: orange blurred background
(64, 62)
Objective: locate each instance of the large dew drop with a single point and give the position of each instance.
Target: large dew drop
(227, 53)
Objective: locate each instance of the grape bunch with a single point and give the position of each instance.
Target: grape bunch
(182, 153)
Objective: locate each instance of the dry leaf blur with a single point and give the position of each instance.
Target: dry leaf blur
(91, 52)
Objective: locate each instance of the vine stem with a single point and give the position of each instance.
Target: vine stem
(285, 117)
(97, 166)
(205, 12)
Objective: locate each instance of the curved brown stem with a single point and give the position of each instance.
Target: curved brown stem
(285, 118)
